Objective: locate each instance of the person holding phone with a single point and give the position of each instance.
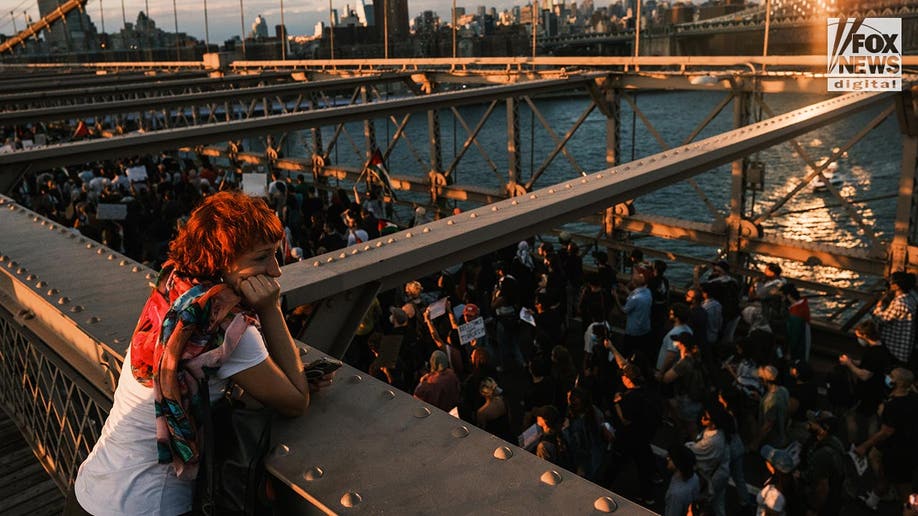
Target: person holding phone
(215, 305)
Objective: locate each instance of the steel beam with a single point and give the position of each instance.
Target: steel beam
(155, 85)
(56, 84)
(422, 250)
(186, 100)
(14, 163)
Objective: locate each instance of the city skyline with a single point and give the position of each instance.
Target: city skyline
(223, 15)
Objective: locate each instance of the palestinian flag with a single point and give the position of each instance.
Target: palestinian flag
(379, 170)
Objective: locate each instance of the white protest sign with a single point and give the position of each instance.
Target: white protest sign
(255, 184)
(437, 308)
(138, 173)
(474, 329)
(526, 316)
(111, 211)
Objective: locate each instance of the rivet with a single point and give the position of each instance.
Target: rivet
(426, 230)
(111, 257)
(123, 263)
(3, 258)
(389, 394)
(342, 256)
(282, 450)
(31, 277)
(421, 412)
(568, 186)
(366, 248)
(135, 268)
(551, 477)
(503, 453)
(598, 176)
(493, 208)
(313, 473)
(459, 432)
(88, 246)
(43, 222)
(355, 251)
(315, 263)
(533, 196)
(100, 251)
(551, 190)
(584, 181)
(51, 227)
(351, 499)
(93, 320)
(605, 504)
(514, 202)
(379, 244)
(41, 284)
(391, 240)
(63, 300)
(408, 235)
(150, 276)
(11, 265)
(21, 270)
(329, 260)
(474, 216)
(356, 378)
(450, 222)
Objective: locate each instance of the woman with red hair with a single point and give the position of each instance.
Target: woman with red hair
(215, 306)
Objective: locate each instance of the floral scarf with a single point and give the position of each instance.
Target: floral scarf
(186, 331)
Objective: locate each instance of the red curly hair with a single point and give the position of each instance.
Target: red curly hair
(220, 229)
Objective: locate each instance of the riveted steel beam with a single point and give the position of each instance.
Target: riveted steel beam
(90, 305)
(422, 250)
(185, 101)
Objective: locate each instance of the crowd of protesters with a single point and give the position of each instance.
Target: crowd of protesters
(606, 363)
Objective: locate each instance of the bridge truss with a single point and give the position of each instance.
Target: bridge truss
(87, 320)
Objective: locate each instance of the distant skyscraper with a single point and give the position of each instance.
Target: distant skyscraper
(259, 28)
(75, 32)
(363, 15)
(395, 21)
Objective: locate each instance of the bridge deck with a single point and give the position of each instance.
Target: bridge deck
(25, 488)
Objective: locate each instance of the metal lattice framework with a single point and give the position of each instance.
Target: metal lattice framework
(59, 413)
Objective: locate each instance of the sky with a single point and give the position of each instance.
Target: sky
(223, 16)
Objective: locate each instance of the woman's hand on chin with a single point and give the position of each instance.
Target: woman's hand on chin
(261, 292)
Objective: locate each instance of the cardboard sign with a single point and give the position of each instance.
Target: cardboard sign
(474, 329)
(437, 308)
(137, 174)
(526, 316)
(254, 184)
(111, 211)
(529, 439)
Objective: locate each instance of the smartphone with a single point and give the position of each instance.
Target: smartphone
(321, 367)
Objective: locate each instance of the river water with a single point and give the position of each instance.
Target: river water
(869, 172)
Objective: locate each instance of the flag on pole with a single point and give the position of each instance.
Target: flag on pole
(379, 170)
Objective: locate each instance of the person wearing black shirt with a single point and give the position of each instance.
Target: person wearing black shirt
(897, 438)
(637, 414)
(868, 373)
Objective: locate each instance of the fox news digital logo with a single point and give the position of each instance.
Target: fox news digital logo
(864, 54)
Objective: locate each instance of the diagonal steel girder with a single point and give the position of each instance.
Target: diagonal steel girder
(187, 100)
(421, 250)
(13, 164)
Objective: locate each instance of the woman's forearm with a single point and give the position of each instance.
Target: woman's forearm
(281, 347)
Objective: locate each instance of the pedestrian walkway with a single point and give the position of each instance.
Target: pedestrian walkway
(25, 487)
